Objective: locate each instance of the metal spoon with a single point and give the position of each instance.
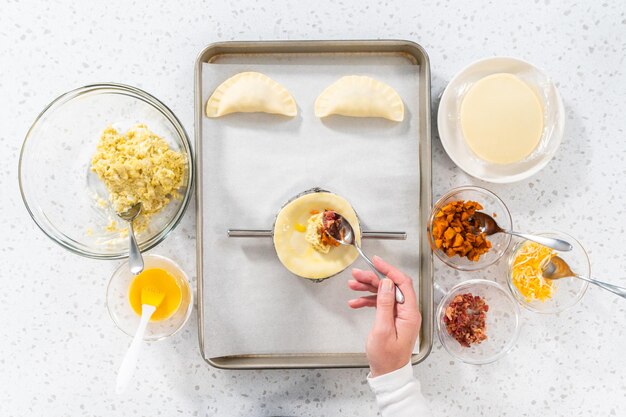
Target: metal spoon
(345, 236)
(135, 261)
(487, 225)
(557, 268)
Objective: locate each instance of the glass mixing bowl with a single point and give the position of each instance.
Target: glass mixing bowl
(567, 291)
(494, 207)
(125, 317)
(57, 185)
(502, 322)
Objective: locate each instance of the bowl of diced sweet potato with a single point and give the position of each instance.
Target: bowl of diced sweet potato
(457, 239)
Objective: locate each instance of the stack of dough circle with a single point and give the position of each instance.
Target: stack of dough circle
(502, 119)
(295, 253)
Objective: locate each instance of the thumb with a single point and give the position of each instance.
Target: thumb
(385, 302)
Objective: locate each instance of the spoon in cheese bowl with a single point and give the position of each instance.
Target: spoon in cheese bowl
(151, 298)
(557, 268)
(340, 230)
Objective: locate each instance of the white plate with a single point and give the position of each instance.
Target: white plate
(451, 135)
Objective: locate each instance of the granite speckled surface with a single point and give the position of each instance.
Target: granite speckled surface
(60, 351)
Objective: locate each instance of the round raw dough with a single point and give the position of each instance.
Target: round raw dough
(502, 119)
(296, 254)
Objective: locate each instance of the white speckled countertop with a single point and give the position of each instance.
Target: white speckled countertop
(59, 350)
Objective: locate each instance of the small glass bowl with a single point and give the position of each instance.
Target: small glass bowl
(60, 191)
(502, 322)
(494, 207)
(125, 317)
(567, 291)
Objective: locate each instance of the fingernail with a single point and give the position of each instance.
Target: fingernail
(377, 258)
(387, 285)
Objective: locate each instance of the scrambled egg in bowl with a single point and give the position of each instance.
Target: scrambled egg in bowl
(300, 243)
(138, 166)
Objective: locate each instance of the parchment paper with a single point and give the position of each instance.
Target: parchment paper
(254, 163)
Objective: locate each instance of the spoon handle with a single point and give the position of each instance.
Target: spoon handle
(127, 369)
(135, 261)
(399, 295)
(609, 287)
(557, 244)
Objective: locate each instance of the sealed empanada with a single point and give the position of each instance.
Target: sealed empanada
(250, 92)
(360, 96)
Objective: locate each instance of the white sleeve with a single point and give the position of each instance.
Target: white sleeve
(398, 394)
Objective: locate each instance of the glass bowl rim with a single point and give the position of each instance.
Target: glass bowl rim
(515, 292)
(189, 307)
(516, 312)
(60, 238)
(445, 259)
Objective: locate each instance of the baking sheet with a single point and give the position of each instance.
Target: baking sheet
(253, 163)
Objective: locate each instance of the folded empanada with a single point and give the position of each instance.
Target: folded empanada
(250, 92)
(360, 96)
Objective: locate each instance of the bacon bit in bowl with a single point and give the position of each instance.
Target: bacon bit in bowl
(454, 231)
(478, 321)
(465, 319)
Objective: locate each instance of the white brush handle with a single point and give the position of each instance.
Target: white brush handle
(130, 360)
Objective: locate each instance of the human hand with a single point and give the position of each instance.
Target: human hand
(391, 341)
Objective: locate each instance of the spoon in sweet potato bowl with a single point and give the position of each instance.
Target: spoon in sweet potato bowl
(486, 224)
(340, 230)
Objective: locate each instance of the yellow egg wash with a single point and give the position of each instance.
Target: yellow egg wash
(501, 119)
(162, 281)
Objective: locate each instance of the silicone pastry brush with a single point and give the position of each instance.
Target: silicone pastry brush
(151, 298)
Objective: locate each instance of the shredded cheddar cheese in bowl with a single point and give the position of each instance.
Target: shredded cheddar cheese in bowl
(526, 272)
